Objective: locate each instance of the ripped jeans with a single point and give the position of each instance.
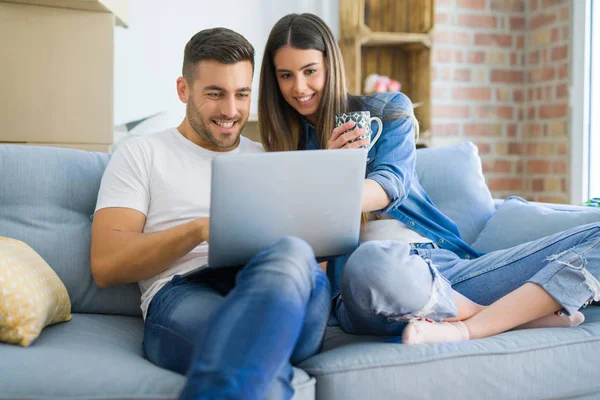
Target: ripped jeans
(385, 283)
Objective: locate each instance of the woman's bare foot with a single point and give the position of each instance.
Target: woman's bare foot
(555, 320)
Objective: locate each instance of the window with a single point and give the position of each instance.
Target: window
(583, 104)
(594, 131)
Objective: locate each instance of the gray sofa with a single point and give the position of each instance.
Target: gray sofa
(47, 197)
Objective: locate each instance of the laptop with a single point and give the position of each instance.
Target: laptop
(258, 198)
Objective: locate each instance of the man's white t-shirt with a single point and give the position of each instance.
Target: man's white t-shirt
(167, 178)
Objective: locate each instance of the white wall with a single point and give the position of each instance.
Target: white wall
(149, 54)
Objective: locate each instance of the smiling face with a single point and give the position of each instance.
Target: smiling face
(301, 75)
(218, 103)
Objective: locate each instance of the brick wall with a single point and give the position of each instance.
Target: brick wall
(500, 79)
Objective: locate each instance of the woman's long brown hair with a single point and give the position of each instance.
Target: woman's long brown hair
(278, 122)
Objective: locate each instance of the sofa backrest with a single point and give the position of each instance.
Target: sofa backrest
(453, 178)
(47, 198)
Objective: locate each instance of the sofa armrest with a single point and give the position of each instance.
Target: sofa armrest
(554, 206)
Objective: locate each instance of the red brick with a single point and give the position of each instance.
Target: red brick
(540, 149)
(476, 57)
(553, 111)
(462, 75)
(442, 18)
(566, 32)
(506, 76)
(505, 184)
(562, 148)
(458, 56)
(533, 5)
(511, 131)
(518, 95)
(537, 185)
(471, 4)
(541, 75)
(445, 130)
(559, 167)
(472, 93)
(517, 23)
(555, 35)
(515, 59)
(563, 71)
(531, 112)
(486, 39)
(538, 167)
(560, 53)
(534, 57)
(550, 3)
(557, 128)
(494, 112)
(450, 111)
(562, 90)
(455, 38)
(483, 129)
(516, 6)
(520, 42)
(530, 94)
(515, 148)
(503, 94)
(542, 20)
(442, 55)
(533, 130)
(477, 21)
(565, 13)
(484, 148)
(497, 166)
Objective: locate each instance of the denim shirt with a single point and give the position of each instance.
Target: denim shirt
(391, 163)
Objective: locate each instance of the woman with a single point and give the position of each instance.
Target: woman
(386, 285)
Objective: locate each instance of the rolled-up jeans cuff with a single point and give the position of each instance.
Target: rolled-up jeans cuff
(568, 282)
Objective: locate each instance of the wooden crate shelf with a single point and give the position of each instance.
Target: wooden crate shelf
(391, 38)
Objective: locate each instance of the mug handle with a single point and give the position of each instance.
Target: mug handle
(373, 141)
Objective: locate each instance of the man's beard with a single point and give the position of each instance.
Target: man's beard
(203, 131)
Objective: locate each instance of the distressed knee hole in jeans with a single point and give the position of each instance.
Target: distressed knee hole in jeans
(578, 262)
(440, 304)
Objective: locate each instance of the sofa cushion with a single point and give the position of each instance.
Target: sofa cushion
(95, 357)
(452, 177)
(525, 364)
(517, 221)
(47, 196)
(31, 294)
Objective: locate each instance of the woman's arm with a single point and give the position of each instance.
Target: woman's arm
(394, 161)
(374, 197)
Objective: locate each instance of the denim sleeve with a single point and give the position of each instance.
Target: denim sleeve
(394, 163)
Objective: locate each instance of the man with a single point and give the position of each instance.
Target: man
(235, 332)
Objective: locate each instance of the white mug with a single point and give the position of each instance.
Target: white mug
(363, 120)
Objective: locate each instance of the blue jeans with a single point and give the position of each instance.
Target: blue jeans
(236, 333)
(385, 284)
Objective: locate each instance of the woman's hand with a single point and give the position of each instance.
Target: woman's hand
(342, 138)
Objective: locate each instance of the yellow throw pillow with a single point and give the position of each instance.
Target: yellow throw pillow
(32, 296)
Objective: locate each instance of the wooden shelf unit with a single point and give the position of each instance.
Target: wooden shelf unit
(392, 38)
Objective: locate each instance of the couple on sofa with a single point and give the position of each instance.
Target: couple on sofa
(236, 333)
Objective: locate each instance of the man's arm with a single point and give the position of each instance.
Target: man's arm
(122, 254)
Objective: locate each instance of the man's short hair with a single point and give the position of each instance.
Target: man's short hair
(220, 44)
